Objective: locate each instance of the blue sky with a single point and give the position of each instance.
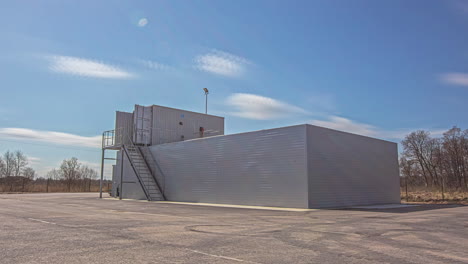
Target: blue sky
(377, 68)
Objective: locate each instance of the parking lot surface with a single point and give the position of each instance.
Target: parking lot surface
(81, 228)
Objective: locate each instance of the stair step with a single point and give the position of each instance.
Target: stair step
(137, 158)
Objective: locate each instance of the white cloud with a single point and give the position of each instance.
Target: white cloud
(86, 67)
(33, 160)
(142, 22)
(222, 63)
(253, 106)
(50, 137)
(348, 125)
(257, 107)
(153, 65)
(455, 78)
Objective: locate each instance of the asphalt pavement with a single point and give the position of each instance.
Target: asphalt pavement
(81, 228)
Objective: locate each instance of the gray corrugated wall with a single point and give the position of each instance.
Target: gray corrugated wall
(348, 170)
(265, 168)
(131, 188)
(123, 127)
(167, 127)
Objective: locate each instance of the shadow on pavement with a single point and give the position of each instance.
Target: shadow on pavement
(413, 207)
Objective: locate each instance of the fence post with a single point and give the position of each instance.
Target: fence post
(443, 196)
(406, 188)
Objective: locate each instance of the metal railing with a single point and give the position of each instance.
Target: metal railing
(146, 166)
(143, 185)
(118, 137)
(108, 138)
(155, 170)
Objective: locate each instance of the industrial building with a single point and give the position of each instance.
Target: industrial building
(176, 155)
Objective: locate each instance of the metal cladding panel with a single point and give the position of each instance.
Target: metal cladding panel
(349, 170)
(142, 118)
(265, 168)
(123, 127)
(173, 125)
(131, 187)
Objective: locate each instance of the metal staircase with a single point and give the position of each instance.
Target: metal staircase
(140, 166)
(154, 167)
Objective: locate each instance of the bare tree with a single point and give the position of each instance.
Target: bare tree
(417, 147)
(74, 174)
(9, 163)
(54, 174)
(16, 175)
(69, 170)
(87, 175)
(29, 173)
(2, 168)
(454, 142)
(19, 162)
(27, 177)
(441, 162)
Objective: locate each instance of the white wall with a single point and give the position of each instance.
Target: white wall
(348, 170)
(265, 168)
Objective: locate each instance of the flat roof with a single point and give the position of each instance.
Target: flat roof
(277, 128)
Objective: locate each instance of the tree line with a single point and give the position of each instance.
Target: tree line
(14, 170)
(75, 175)
(436, 162)
(71, 176)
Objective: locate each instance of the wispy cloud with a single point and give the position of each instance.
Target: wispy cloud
(50, 137)
(154, 65)
(33, 160)
(87, 68)
(258, 107)
(455, 78)
(222, 63)
(348, 125)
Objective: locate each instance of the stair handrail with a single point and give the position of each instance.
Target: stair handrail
(132, 144)
(148, 197)
(153, 173)
(135, 129)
